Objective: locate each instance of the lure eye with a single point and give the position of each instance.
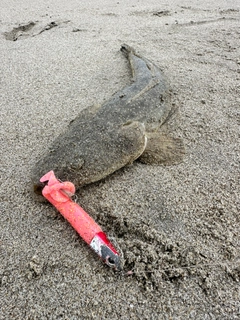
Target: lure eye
(110, 261)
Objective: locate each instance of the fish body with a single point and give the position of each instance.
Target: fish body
(102, 140)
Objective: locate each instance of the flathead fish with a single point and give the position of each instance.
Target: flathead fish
(101, 140)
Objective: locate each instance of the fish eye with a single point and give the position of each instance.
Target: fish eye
(110, 261)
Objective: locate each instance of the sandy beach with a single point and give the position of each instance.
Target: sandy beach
(177, 227)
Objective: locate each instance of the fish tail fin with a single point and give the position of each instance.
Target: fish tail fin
(126, 49)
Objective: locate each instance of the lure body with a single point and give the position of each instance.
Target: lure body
(58, 194)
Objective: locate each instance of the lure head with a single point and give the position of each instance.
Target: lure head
(103, 247)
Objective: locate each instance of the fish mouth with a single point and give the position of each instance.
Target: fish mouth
(38, 187)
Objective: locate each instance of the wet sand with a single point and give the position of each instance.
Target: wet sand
(177, 227)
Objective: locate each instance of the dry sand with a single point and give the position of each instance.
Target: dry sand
(177, 226)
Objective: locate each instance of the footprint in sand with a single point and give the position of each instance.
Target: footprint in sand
(30, 29)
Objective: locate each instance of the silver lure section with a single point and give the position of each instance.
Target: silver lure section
(105, 252)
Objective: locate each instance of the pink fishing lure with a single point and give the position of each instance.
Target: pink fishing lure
(59, 195)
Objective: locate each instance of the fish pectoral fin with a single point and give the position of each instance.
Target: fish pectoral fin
(163, 149)
(133, 140)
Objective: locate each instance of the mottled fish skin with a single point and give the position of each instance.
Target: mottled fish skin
(101, 141)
